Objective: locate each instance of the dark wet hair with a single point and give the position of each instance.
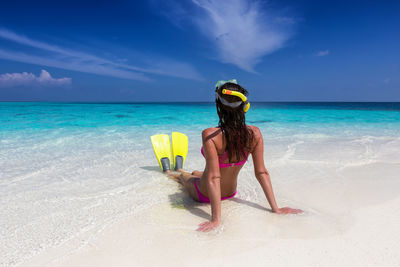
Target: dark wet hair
(232, 122)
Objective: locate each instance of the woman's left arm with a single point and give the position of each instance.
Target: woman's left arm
(263, 176)
(212, 178)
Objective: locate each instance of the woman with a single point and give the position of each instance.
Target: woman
(226, 149)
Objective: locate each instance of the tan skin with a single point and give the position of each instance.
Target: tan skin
(216, 182)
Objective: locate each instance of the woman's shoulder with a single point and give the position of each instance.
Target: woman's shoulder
(257, 136)
(256, 131)
(211, 134)
(211, 130)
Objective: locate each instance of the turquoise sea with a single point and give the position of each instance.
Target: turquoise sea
(68, 116)
(67, 169)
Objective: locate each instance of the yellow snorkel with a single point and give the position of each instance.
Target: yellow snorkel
(234, 93)
(238, 94)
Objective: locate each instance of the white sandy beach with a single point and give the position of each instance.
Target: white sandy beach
(350, 219)
(89, 192)
(372, 239)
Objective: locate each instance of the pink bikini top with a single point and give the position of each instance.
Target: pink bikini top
(223, 157)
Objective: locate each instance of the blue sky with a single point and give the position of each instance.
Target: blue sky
(176, 50)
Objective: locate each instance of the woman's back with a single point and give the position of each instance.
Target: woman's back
(228, 174)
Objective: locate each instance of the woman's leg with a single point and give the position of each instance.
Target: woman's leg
(187, 180)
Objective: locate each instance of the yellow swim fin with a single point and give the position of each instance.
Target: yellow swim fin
(179, 149)
(162, 149)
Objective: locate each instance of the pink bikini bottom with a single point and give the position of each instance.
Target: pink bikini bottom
(203, 198)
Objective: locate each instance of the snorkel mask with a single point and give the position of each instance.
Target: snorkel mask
(234, 93)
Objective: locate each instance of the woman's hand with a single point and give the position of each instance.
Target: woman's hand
(287, 210)
(207, 226)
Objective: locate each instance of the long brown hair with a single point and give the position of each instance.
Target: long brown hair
(232, 122)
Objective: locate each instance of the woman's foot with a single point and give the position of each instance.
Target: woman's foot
(197, 173)
(174, 176)
(187, 180)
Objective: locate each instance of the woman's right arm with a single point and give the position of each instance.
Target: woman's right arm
(263, 176)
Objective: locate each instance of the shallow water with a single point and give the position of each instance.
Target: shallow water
(67, 169)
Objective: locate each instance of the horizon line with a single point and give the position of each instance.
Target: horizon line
(191, 102)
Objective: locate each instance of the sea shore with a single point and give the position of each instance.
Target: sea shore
(80, 186)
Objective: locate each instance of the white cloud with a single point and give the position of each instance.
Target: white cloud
(84, 62)
(242, 32)
(322, 53)
(29, 79)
